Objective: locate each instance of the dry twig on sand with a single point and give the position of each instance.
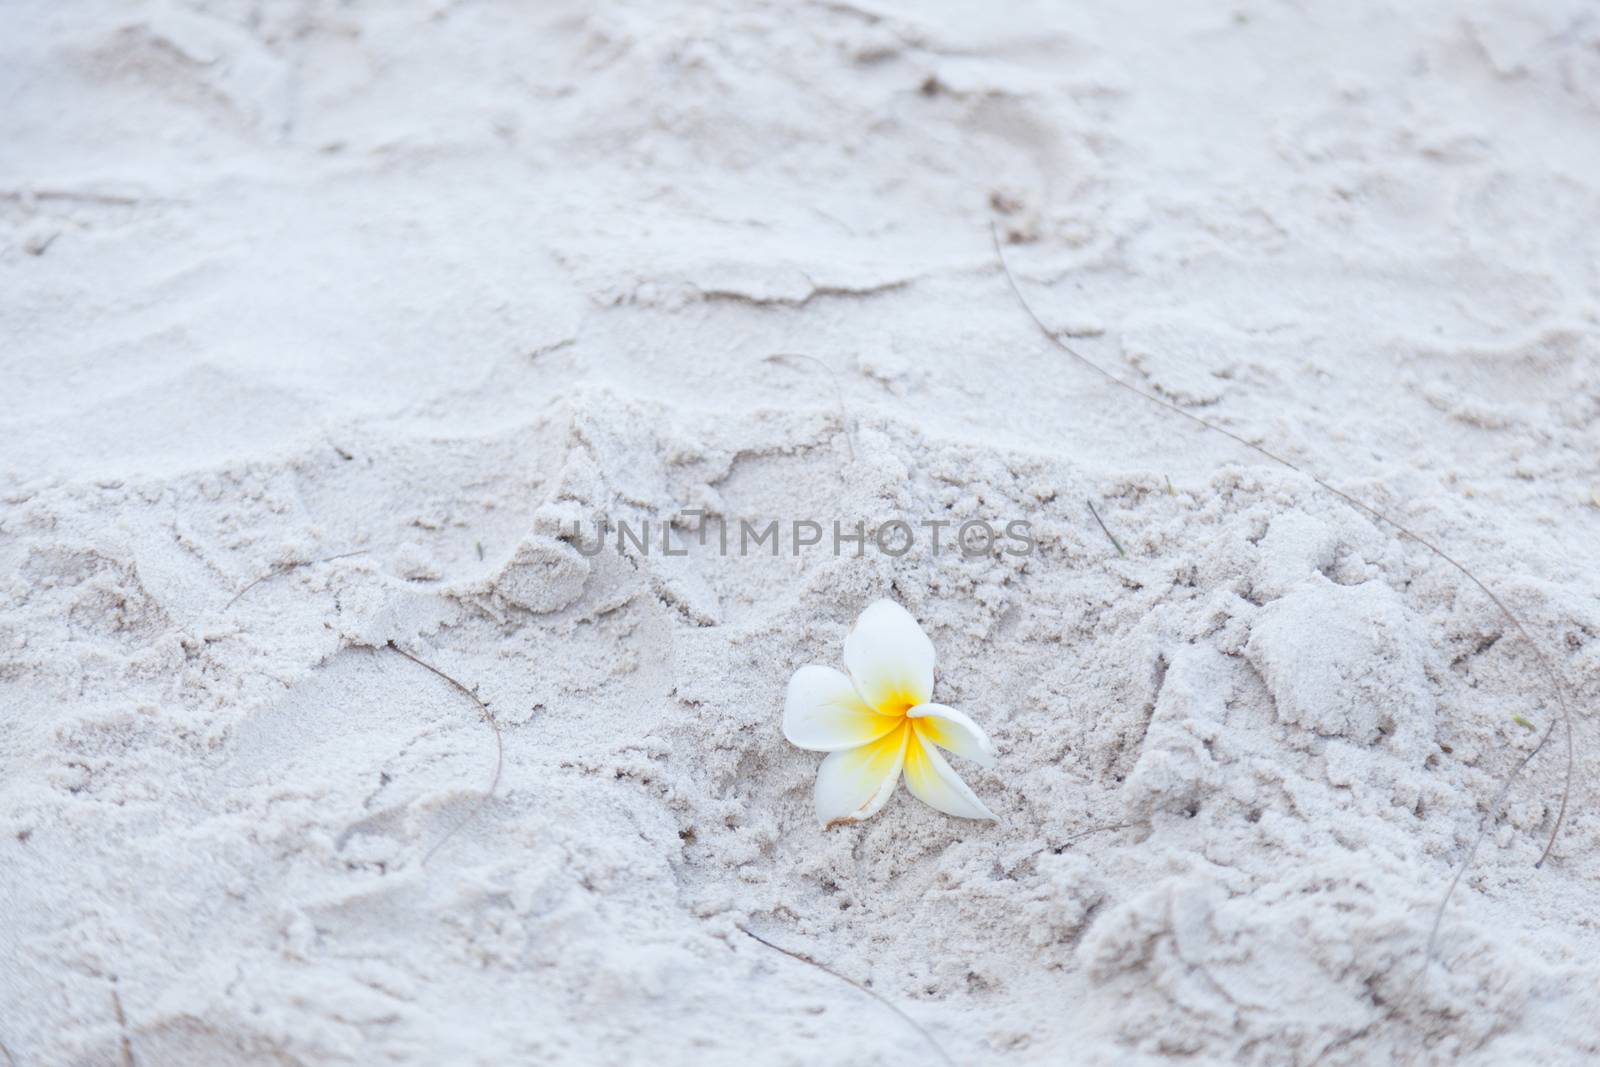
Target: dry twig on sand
(868, 990)
(285, 568)
(499, 748)
(1114, 542)
(838, 392)
(122, 1025)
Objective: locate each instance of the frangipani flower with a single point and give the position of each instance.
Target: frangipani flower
(878, 722)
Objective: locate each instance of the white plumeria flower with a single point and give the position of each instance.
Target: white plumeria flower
(878, 722)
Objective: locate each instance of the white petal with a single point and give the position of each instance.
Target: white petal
(852, 785)
(824, 713)
(952, 729)
(890, 658)
(932, 781)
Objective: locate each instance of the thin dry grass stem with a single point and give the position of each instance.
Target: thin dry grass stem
(1114, 542)
(122, 1025)
(1091, 831)
(1545, 667)
(70, 195)
(285, 568)
(868, 990)
(838, 392)
(11, 1061)
(499, 748)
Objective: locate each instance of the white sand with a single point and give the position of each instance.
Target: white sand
(285, 281)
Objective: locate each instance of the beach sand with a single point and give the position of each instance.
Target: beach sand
(325, 325)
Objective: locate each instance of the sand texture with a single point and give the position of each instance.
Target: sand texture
(322, 325)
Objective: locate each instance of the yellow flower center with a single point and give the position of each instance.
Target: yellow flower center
(897, 704)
